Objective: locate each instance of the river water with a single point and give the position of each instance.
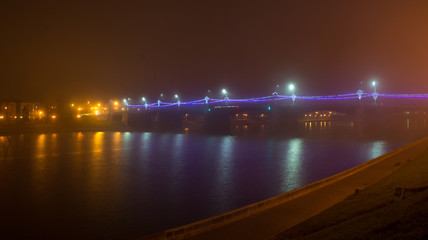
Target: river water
(124, 185)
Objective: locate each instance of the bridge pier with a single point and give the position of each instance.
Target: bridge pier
(140, 120)
(218, 121)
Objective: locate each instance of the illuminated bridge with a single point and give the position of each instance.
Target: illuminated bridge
(275, 111)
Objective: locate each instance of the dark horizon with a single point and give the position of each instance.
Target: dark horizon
(80, 50)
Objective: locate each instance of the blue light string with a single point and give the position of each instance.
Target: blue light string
(281, 98)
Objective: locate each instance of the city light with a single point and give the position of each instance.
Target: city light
(291, 87)
(116, 103)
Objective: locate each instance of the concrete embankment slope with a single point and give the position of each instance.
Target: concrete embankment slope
(269, 217)
(395, 207)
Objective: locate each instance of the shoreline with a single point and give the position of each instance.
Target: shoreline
(257, 221)
(40, 128)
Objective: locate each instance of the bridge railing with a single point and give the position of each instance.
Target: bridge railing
(274, 98)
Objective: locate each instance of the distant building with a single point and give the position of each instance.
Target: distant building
(11, 110)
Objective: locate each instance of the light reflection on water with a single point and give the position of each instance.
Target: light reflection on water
(125, 185)
(294, 161)
(377, 149)
(224, 160)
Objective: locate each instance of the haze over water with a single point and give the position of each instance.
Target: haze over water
(128, 184)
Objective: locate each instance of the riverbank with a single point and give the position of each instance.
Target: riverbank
(394, 208)
(305, 202)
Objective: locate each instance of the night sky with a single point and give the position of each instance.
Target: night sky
(108, 49)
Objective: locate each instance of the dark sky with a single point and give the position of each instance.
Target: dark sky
(105, 49)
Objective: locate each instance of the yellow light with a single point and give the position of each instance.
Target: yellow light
(245, 115)
(123, 109)
(96, 112)
(78, 116)
(105, 108)
(20, 116)
(329, 112)
(5, 107)
(116, 103)
(115, 108)
(186, 129)
(89, 102)
(72, 105)
(99, 105)
(15, 116)
(40, 113)
(79, 109)
(1, 117)
(53, 116)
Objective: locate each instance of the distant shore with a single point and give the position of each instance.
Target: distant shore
(53, 127)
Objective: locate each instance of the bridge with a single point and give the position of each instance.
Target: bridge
(277, 111)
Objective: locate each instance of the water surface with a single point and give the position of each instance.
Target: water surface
(123, 185)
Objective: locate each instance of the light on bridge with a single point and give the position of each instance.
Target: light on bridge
(224, 91)
(292, 88)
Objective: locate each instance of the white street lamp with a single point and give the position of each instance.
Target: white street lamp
(178, 100)
(145, 102)
(224, 92)
(291, 88)
(375, 94)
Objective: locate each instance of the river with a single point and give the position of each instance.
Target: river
(124, 185)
